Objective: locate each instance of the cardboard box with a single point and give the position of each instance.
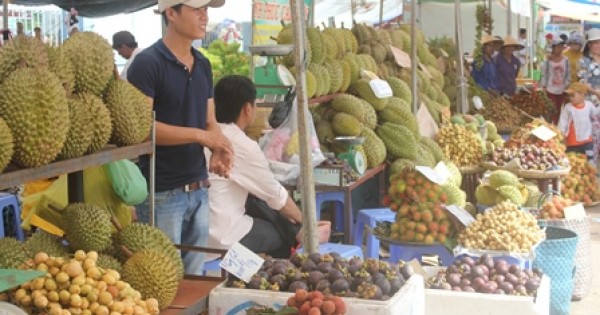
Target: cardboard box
(442, 302)
(229, 301)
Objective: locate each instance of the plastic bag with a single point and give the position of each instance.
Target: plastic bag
(97, 190)
(127, 181)
(282, 146)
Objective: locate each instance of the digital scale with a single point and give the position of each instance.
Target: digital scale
(272, 80)
(355, 159)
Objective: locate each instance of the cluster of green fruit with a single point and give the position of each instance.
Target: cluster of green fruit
(63, 102)
(79, 285)
(418, 204)
(144, 255)
(226, 59)
(330, 274)
(505, 186)
(485, 129)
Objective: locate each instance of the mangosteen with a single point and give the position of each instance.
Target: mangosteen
(371, 265)
(406, 271)
(353, 269)
(340, 286)
(308, 266)
(529, 273)
(280, 280)
(532, 284)
(454, 279)
(327, 258)
(264, 274)
(314, 277)
(267, 264)
(484, 257)
(520, 290)
(384, 284)
(490, 287)
(340, 265)
(351, 294)
(293, 275)
(502, 268)
(452, 268)
(465, 269)
(355, 261)
(334, 274)
(485, 269)
(446, 286)
(537, 271)
(297, 285)
(376, 276)
(489, 263)
(395, 284)
(468, 289)
(477, 271)
(507, 287)
(464, 282)
(514, 269)
(360, 277)
(336, 256)
(323, 285)
(499, 278)
(278, 269)
(324, 266)
(255, 282)
(297, 259)
(513, 279)
(477, 283)
(385, 267)
(369, 291)
(468, 260)
(456, 288)
(315, 257)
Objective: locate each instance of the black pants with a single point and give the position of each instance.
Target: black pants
(586, 148)
(271, 233)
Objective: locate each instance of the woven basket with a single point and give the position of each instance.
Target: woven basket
(554, 257)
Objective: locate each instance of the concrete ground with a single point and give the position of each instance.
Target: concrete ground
(590, 304)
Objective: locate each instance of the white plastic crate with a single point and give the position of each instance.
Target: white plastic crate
(229, 301)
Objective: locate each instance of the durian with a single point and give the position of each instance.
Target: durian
(22, 52)
(130, 112)
(60, 64)
(6, 145)
(503, 178)
(101, 124)
(108, 262)
(42, 241)
(80, 134)
(87, 227)
(12, 254)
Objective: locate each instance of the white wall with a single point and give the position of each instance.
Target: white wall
(437, 19)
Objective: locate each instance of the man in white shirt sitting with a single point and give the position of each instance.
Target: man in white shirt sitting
(234, 201)
(124, 43)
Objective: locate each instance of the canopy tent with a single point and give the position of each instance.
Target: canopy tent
(587, 10)
(94, 8)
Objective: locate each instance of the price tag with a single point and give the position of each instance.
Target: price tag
(402, 58)
(575, 211)
(438, 175)
(381, 88)
(425, 70)
(241, 262)
(543, 133)
(461, 214)
(477, 102)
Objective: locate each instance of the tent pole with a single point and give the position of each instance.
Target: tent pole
(413, 54)
(532, 36)
(459, 54)
(309, 220)
(380, 12)
(5, 14)
(508, 18)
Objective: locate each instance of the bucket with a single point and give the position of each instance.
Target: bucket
(555, 257)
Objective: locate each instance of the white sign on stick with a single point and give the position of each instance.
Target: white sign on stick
(461, 214)
(543, 133)
(241, 262)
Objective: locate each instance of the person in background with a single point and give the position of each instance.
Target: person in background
(523, 52)
(497, 45)
(507, 66)
(485, 74)
(589, 72)
(37, 33)
(556, 76)
(564, 37)
(574, 53)
(177, 79)
(233, 199)
(124, 43)
(20, 29)
(576, 120)
(548, 46)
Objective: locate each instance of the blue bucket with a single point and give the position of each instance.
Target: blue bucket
(556, 258)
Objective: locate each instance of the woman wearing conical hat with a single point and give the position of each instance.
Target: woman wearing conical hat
(484, 74)
(507, 66)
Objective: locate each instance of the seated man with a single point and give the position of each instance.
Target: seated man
(241, 206)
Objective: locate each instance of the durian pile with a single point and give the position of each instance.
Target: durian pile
(505, 186)
(581, 184)
(502, 113)
(475, 124)
(143, 255)
(504, 228)
(461, 146)
(63, 102)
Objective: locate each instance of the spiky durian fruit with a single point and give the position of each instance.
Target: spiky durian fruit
(130, 112)
(93, 61)
(60, 64)
(12, 254)
(101, 124)
(137, 237)
(22, 52)
(6, 144)
(87, 227)
(109, 262)
(80, 134)
(34, 105)
(41, 241)
(153, 274)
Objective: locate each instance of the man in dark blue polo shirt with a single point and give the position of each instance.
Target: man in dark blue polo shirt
(178, 79)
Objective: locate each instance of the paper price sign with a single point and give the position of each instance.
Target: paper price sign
(461, 214)
(381, 88)
(402, 58)
(575, 212)
(543, 133)
(438, 175)
(241, 262)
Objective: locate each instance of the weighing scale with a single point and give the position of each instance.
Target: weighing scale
(355, 159)
(272, 80)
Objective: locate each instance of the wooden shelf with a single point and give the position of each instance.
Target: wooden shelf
(192, 298)
(14, 177)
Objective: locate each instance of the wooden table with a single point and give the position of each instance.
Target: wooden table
(192, 297)
(347, 190)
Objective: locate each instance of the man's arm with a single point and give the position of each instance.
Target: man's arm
(291, 211)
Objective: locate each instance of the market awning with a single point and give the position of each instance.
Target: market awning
(94, 8)
(587, 10)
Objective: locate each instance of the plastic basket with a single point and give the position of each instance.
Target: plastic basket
(555, 257)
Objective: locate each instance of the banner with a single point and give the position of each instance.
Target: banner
(267, 16)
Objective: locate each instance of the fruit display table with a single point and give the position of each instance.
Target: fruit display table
(471, 176)
(192, 297)
(550, 180)
(346, 191)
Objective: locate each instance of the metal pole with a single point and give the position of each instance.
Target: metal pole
(508, 19)
(459, 51)
(309, 220)
(518, 22)
(380, 12)
(352, 9)
(5, 14)
(490, 8)
(413, 55)
(152, 170)
(532, 35)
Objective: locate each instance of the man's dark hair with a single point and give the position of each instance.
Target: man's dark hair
(133, 45)
(231, 94)
(176, 7)
(522, 31)
(564, 37)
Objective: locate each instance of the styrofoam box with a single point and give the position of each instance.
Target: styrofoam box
(229, 301)
(442, 302)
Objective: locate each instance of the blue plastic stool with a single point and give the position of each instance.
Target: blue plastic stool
(408, 252)
(10, 216)
(337, 197)
(346, 251)
(370, 217)
(212, 265)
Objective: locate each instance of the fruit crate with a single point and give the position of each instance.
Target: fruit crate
(231, 301)
(524, 260)
(441, 302)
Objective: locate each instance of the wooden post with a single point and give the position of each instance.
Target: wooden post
(462, 84)
(5, 14)
(413, 55)
(508, 18)
(309, 220)
(532, 34)
(380, 13)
